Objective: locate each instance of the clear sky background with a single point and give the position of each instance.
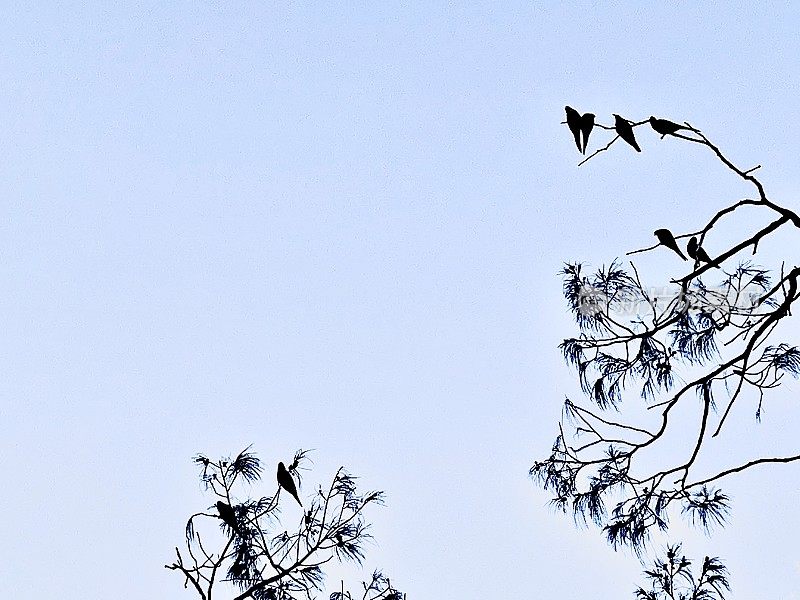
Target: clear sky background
(305, 226)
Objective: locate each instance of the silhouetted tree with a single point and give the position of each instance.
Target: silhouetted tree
(701, 341)
(672, 579)
(255, 555)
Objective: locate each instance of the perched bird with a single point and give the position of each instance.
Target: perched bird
(587, 124)
(227, 514)
(574, 123)
(666, 238)
(704, 257)
(286, 482)
(696, 252)
(625, 131)
(691, 248)
(665, 127)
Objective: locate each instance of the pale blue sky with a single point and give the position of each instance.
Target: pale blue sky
(339, 228)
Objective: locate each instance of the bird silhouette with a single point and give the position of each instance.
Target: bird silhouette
(286, 482)
(666, 238)
(227, 514)
(696, 252)
(665, 127)
(587, 124)
(691, 248)
(625, 131)
(574, 122)
(703, 256)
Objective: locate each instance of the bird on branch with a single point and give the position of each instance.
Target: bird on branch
(665, 127)
(696, 252)
(227, 514)
(587, 124)
(574, 124)
(625, 131)
(666, 238)
(580, 126)
(286, 481)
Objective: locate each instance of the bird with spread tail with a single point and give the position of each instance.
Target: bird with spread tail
(286, 482)
(580, 126)
(625, 131)
(696, 252)
(665, 127)
(666, 238)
